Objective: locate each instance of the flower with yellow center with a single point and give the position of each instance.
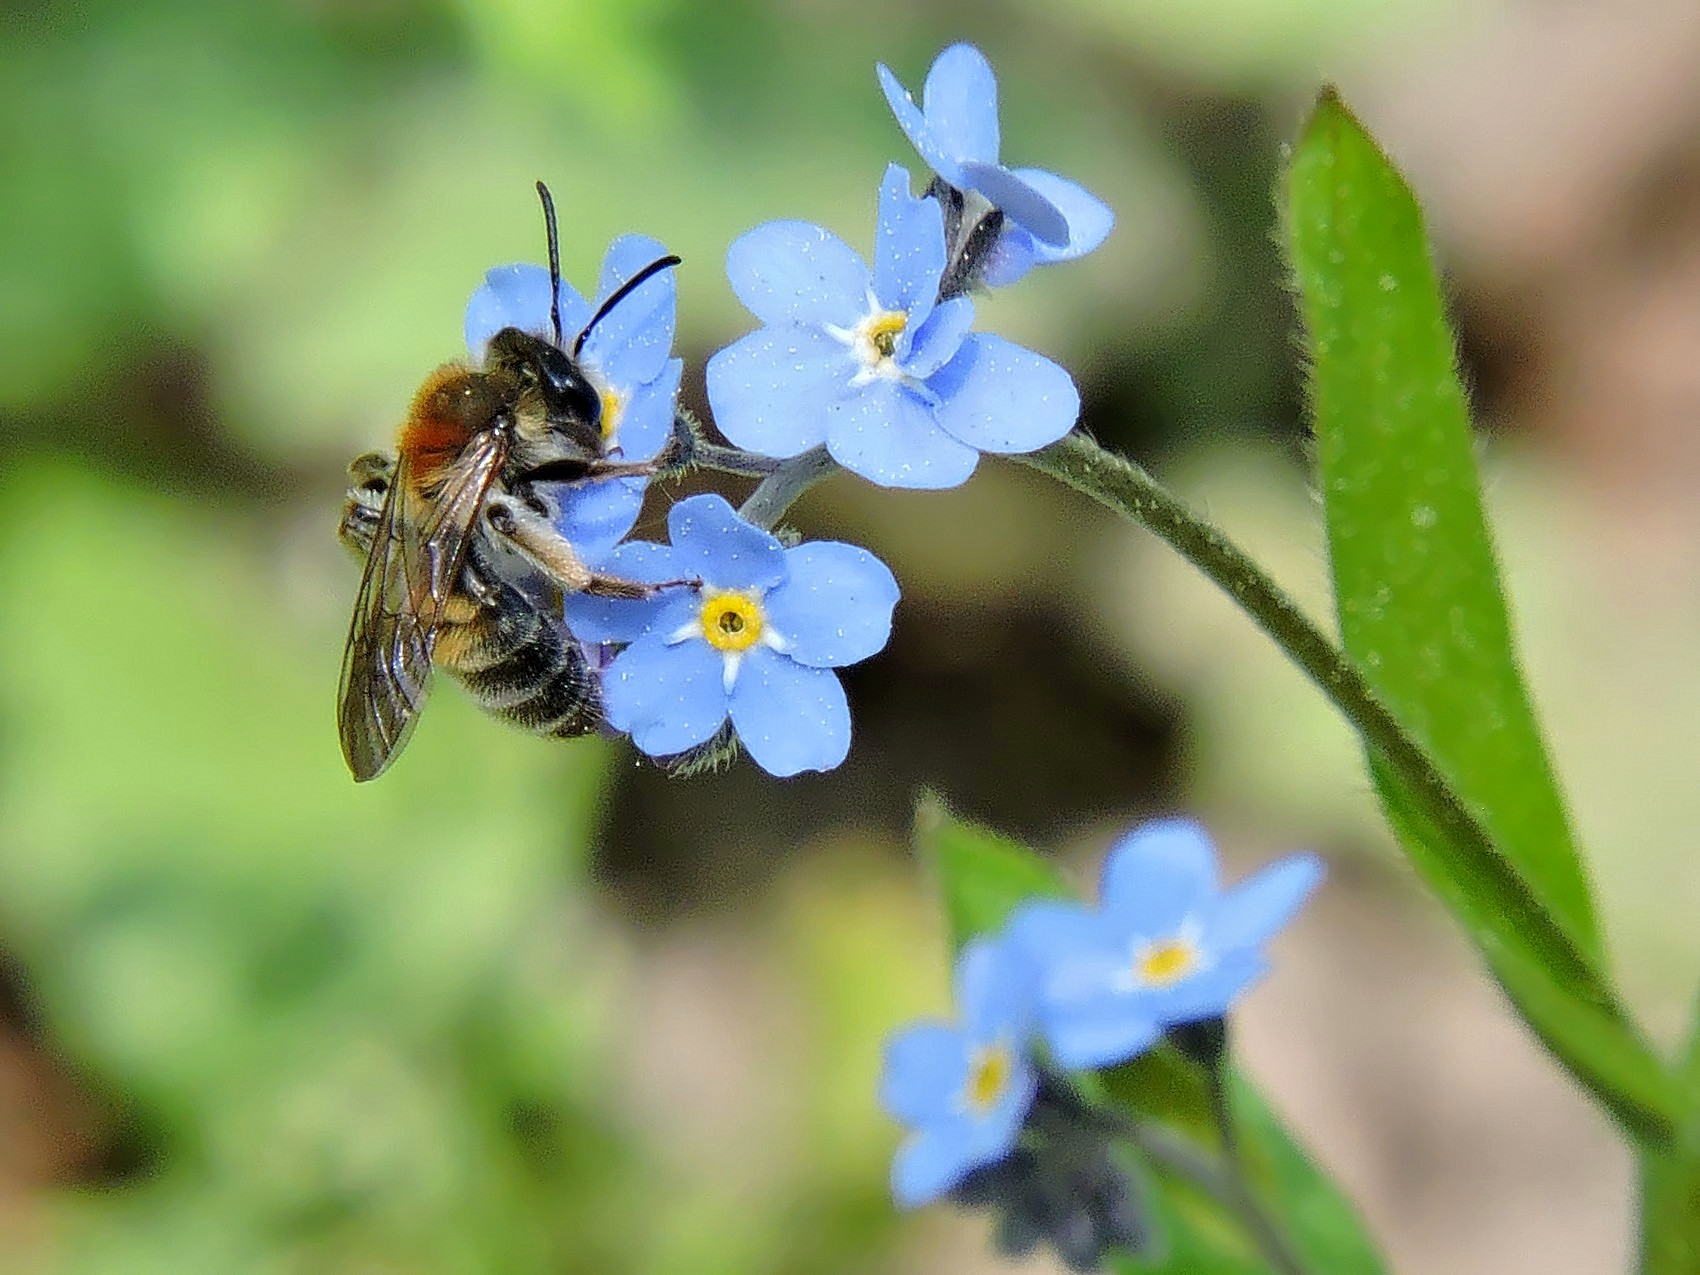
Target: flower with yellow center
(963, 1088)
(731, 621)
(1167, 946)
(1154, 964)
(873, 343)
(1165, 962)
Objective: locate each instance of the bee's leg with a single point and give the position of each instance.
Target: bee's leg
(370, 466)
(369, 484)
(534, 536)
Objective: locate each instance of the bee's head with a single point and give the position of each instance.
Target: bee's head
(554, 388)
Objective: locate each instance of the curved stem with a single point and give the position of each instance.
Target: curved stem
(732, 460)
(777, 492)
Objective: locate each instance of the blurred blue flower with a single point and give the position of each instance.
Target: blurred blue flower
(1165, 947)
(956, 131)
(872, 364)
(626, 358)
(964, 1089)
(754, 636)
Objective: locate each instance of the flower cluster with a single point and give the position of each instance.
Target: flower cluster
(880, 366)
(739, 635)
(1080, 988)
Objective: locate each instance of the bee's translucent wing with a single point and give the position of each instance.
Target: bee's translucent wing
(417, 553)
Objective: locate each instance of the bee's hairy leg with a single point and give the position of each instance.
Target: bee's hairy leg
(592, 471)
(369, 484)
(533, 535)
(607, 586)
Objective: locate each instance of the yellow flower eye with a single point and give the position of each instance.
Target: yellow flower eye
(731, 621)
(613, 407)
(1165, 962)
(988, 1076)
(883, 330)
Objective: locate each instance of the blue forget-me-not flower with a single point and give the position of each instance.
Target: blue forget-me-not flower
(626, 358)
(963, 1089)
(872, 364)
(1166, 946)
(755, 636)
(955, 129)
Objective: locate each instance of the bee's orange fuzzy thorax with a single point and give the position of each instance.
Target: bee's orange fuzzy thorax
(438, 425)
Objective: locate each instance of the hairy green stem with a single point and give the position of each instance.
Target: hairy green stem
(777, 492)
(731, 460)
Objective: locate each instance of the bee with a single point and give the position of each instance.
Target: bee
(464, 568)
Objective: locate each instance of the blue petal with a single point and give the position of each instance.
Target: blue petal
(834, 607)
(1012, 256)
(996, 1132)
(794, 272)
(996, 986)
(1248, 915)
(960, 100)
(517, 296)
(625, 257)
(914, 126)
(770, 389)
(790, 717)
(1089, 218)
(1079, 953)
(888, 435)
(926, 1066)
(710, 541)
(646, 420)
(998, 397)
(667, 697)
(1022, 202)
(596, 515)
(938, 340)
(630, 344)
(1158, 875)
(909, 254)
(594, 619)
(932, 1162)
(1082, 1038)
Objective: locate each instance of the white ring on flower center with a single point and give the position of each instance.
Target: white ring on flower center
(1181, 948)
(864, 342)
(747, 604)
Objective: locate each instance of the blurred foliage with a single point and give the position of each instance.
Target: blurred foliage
(299, 1026)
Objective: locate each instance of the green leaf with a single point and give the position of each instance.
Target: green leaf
(1421, 612)
(983, 877)
(1414, 572)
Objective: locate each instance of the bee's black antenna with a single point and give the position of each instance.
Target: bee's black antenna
(622, 292)
(554, 260)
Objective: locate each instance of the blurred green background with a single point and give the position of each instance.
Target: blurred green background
(532, 1007)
